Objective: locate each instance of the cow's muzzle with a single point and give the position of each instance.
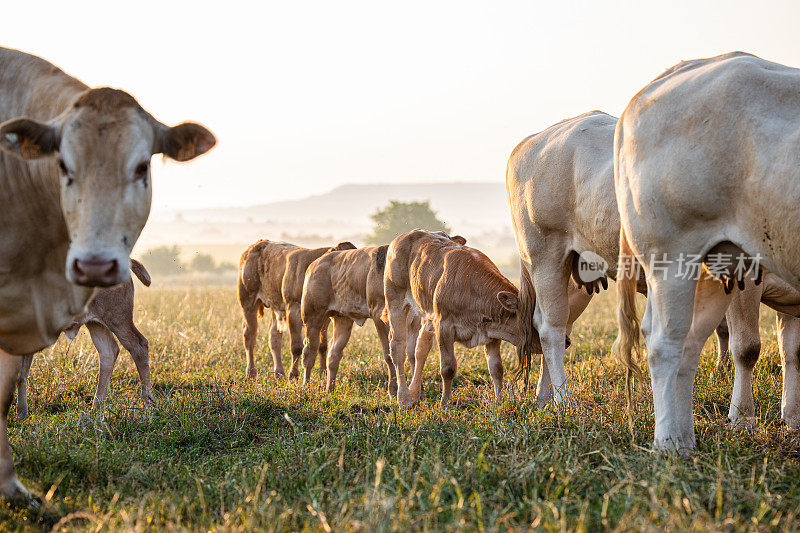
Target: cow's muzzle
(95, 272)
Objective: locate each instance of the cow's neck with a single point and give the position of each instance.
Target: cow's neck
(33, 234)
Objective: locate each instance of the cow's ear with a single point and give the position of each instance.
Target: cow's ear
(508, 300)
(459, 239)
(184, 141)
(28, 139)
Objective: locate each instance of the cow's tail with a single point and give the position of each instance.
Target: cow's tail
(627, 346)
(141, 272)
(528, 336)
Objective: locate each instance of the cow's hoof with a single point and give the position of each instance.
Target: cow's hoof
(15, 492)
(791, 423)
(404, 399)
(294, 374)
(742, 422)
(97, 404)
(250, 373)
(22, 413)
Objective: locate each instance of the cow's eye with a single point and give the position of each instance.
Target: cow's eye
(62, 166)
(141, 170)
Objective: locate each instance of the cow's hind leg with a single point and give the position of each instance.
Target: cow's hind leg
(250, 333)
(109, 350)
(551, 316)
(745, 346)
(311, 345)
(789, 343)
(398, 338)
(296, 339)
(422, 349)
(276, 344)
(342, 327)
(414, 324)
(22, 387)
(323, 350)
(495, 363)
(10, 487)
(136, 344)
(447, 361)
(383, 335)
(675, 326)
(723, 363)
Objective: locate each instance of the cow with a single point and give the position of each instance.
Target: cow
(460, 295)
(705, 162)
(347, 287)
(75, 189)
(271, 275)
(560, 185)
(109, 314)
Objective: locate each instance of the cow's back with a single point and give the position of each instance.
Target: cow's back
(561, 180)
(261, 270)
(297, 262)
(709, 150)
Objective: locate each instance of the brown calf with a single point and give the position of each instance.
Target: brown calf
(347, 286)
(271, 275)
(460, 295)
(110, 313)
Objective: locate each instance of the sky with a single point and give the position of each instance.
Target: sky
(305, 96)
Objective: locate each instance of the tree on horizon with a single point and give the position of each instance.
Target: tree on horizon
(399, 217)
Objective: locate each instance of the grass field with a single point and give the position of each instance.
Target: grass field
(216, 452)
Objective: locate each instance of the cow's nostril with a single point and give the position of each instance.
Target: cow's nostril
(95, 272)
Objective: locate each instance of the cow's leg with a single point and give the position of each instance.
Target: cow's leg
(447, 360)
(323, 351)
(296, 339)
(745, 346)
(342, 327)
(136, 344)
(551, 316)
(22, 387)
(675, 327)
(422, 347)
(398, 337)
(415, 330)
(544, 389)
(495, 363)
(383, 335)
(311, 345)
(789, 344)
(108, 350)
(250, 333)
(10, 487)
(276, 344)
(723, 348)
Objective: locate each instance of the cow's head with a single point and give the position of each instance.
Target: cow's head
(101, 147)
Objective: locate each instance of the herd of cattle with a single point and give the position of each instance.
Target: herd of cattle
(704, 163)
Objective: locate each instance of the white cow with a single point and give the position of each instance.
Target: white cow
(560, 185)
(75, 191)
(706, 160)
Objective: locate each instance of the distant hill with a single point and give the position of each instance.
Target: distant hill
(476, 204)
(477, 210)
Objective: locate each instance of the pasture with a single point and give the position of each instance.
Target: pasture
(218, 452)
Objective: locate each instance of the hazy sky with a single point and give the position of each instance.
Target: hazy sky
(304, 96)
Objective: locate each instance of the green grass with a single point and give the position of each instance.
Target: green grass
(216, 452)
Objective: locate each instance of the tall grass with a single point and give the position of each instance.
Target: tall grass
(218, 452)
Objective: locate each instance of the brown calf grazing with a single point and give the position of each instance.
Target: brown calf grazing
(271, 275)
(110, 313)
(461, 297)
(347, 286)
(75, 190)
